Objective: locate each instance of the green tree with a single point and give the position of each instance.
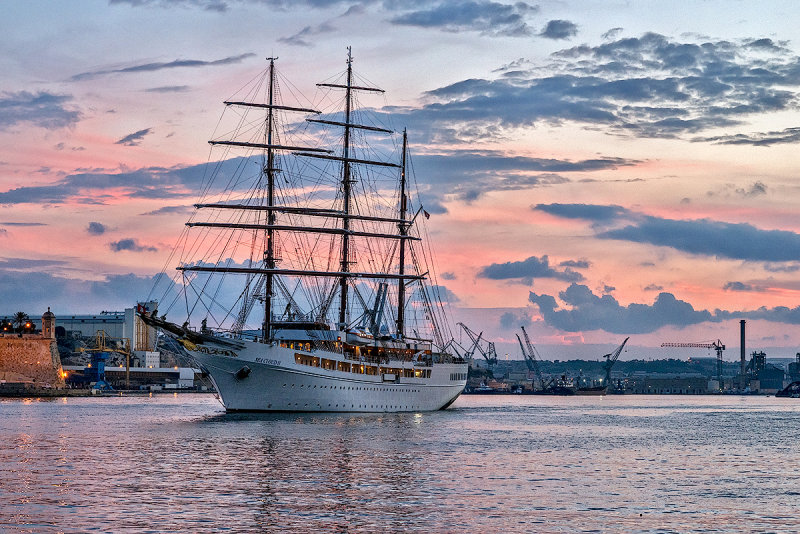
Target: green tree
(19, 320)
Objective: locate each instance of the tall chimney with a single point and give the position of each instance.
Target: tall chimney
(743, 362)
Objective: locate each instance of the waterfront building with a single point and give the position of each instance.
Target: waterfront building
(140, 377)
(770, 380)
(794, 369)
(668, 385)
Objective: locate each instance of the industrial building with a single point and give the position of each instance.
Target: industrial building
(667, 385)
(794, 369)
(125, 327)
(22, 359)
(141, 377)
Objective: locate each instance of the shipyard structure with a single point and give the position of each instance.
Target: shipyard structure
(105, 351)
(669, 376)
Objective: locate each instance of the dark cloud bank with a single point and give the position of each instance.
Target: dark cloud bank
(701, 236)
(531, 268)
(578, 308)
(581, 310)
(42, 109)
(647, 86)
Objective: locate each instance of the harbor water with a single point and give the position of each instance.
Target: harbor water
(179, 463)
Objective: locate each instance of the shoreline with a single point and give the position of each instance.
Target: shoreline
(32, 393)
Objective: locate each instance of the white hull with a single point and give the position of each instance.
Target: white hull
(262, 377)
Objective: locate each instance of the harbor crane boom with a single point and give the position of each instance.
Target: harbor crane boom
(611, 359)
(530, 357)
(716, 345)
(489, 354)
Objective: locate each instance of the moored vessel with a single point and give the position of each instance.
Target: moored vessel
(322, 248)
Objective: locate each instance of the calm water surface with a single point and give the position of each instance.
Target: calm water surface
(488, 464)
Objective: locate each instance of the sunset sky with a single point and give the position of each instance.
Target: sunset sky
(593, 169)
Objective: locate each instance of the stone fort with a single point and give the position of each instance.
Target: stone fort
(32, 359)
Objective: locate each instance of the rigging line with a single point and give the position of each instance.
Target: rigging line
(167, 263)
(172, 304)
(186, 296)
(209, 278)
(171, 287)
(244, 295)
(427, 247)
(200, 301)
(429, 308)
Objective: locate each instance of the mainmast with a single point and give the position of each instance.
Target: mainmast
(403, 226)
(269, 254)
(347, 178)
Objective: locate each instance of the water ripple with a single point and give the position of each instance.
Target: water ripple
(495, 464)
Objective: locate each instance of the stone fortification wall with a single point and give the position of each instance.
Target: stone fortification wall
(30, 358)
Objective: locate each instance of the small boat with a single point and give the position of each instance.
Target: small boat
(790, 391)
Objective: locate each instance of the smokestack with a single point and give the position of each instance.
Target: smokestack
(742, 348)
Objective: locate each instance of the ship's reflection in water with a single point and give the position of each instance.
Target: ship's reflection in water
(338, 472)
(489, 464)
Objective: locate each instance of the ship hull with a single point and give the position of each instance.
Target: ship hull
(591, 391)
(271, 378)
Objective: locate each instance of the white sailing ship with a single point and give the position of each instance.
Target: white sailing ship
(316, 236)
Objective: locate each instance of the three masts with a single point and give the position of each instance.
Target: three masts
(268, 222)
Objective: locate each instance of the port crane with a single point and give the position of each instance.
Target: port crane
(459, 349)
(531, 360)
(611, 359)
(489, 354)
(102, 350)
(716, 345)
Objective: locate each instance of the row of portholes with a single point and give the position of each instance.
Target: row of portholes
(352, 406)
(354, 388)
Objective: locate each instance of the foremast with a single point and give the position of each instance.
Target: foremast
(269, 170)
